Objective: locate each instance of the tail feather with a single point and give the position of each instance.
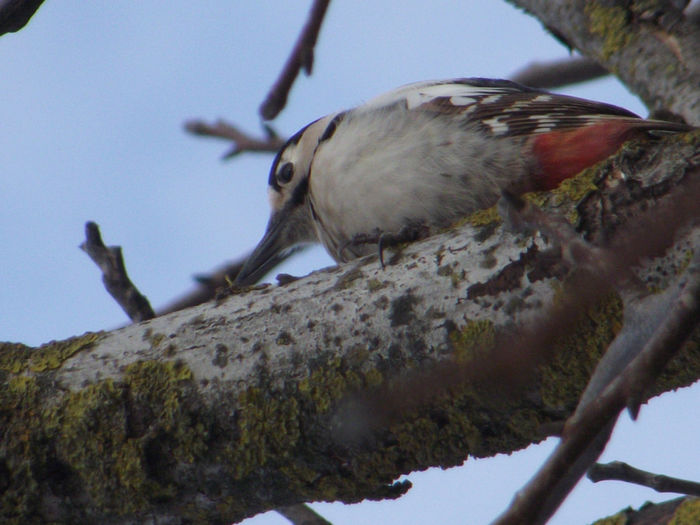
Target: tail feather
(661, 126)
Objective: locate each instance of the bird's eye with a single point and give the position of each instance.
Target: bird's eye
(285, 173)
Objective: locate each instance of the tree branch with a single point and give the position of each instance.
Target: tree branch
(138, 309)
(632, 47)
(302, 515)
(534, 504)
(302, 56)
(210, 285)
(672, 512)
(242, 142)
(244, 405)
(617, 470)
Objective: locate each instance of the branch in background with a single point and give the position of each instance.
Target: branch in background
(539, 74)
(533, 504)
(302, 56)
(558, 73)
(664, 513)
(217, 350)
(207, 287)
(242, 142)
(210, 285)
(617, 470)
(114, 276)
(14, 14)
(302, 515)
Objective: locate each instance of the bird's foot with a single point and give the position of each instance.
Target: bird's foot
(408, 233)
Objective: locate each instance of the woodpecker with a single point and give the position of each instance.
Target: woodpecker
(428, 154)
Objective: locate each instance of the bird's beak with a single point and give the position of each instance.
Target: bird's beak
(284, 232)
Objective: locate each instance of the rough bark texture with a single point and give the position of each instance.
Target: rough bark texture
(228, 409)
(680, 511)
(654, 57)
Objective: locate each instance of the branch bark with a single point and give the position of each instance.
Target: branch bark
(679, 511)
(617, 470)
(659, 64)
(114, 276)
(592, 422)
(276, 396)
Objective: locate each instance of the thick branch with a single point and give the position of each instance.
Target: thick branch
(138, 308)
(235, 407)
(633, 47)
(533, 504)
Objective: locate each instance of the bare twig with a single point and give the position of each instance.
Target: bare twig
(558, 73)
(242, 142)
(617, 470)
(302, 56)
(531, 504)
(114, 276)
(207, 287)
(14, 14)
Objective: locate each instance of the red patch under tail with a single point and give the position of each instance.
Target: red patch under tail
(563, 154)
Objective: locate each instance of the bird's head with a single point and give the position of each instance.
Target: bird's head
(291, 222)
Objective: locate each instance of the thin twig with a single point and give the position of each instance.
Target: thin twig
(620, 471)
(302, 56)
(114, 276)
(585, 425)
(242, 142)
(558, 73)
(210, 285)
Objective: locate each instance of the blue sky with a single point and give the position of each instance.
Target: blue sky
(92, 101)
